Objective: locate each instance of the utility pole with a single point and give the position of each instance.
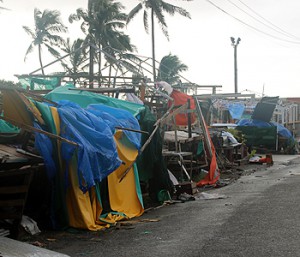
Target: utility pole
(235, 44)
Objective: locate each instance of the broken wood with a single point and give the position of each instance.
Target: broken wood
(33, 129)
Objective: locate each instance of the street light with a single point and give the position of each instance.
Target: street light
(235, 44)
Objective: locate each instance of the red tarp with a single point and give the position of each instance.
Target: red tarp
(179, 100)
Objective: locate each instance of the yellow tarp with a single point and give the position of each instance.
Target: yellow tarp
(84, 209)
(123, 196)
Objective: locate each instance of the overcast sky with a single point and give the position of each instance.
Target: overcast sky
(268, 54)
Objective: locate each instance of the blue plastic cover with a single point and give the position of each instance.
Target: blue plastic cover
(254, 123)
(236, 110)
(281, 130)
(118, 117)
(97, 153)
(44, 146)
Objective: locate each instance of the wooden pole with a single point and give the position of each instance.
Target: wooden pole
(33, 129)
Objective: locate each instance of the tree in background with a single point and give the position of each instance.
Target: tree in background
(47, 25)
(103, 23)
(74, 64)
(157, 9)
(170, 68)
(9, 83)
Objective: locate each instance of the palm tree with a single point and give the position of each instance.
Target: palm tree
(76, 56)
(156, 7)
(102, 24)
(47, 24)
(169, 68)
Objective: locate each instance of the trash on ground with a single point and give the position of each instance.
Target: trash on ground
(208, 196)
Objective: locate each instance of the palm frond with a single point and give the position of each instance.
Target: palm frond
(29, 31)
(134, 12)
(146, 24)
(29, 50)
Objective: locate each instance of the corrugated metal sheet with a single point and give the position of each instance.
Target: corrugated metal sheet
(13, 248)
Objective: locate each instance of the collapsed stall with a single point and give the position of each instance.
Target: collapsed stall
(90, 154)
(262, 133)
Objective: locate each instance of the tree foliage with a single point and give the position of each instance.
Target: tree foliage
(9, 83)
(170, 68)
(45, 33)
(103, 24)
(157, 9)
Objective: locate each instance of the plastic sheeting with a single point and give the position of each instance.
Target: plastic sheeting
(97, 154)
(281, 130)
(6, 127)
(84, 98)
(179, 100)
(236, 110)
(150, 163)
(118, 117)
(125, 198)
(35, 83)
(44, 146)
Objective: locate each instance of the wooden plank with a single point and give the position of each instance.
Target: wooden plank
(11, 151)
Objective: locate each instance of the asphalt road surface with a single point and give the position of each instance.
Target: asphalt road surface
(258, 215)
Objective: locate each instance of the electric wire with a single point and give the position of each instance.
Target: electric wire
(269, 22)
(276, 29)
(252, 27)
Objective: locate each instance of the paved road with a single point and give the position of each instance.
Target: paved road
(258, 217)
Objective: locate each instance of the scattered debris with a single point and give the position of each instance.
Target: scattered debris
(186, 197)
(210, 196)
(30, 225)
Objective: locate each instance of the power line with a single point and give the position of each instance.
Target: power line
(252, 27)
(265, 24)
(272, 24)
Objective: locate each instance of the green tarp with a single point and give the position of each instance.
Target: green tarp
(84, 98)
(259, 137)
(35, 83)
(6, 127)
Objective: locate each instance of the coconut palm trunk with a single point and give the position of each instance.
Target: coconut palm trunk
(40, 59)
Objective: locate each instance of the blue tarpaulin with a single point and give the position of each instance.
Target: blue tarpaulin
(116, 117)
(236, 110)
(96, 151)
(281, 130)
